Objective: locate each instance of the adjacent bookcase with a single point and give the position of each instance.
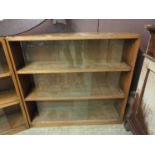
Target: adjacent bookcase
(75, 78)
(12, 113)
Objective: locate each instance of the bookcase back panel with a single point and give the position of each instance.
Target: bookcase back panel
(67, 81)
(35, 57)
(57, 86)
(73, 51)
(76, 111)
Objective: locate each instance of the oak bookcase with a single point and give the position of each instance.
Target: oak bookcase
(12, 113)
(74, 78)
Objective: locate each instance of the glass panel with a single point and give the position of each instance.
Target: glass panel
(70, 56)
(76, 111)
(74, 86)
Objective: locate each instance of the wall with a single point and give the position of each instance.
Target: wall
(102, 25)
(127, 25)
(11, 27)
(15, 26)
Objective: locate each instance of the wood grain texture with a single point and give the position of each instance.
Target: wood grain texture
(74, 36)
(142, 117)
(80, 122)
(8, 98)
(95, 66)
(129, 55)
(14, 86)
(151, 46)
(145, 89)
(44, 67)
(47, 95)
(4, 74)
(14, 130)
(15, 80)
(147, 103)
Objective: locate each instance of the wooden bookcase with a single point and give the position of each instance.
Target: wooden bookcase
(75, 78)
(12, 113)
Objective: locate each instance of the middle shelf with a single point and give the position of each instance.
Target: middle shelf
(64, 67)
(72, 86)
(106, 92)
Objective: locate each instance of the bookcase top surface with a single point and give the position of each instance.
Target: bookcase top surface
(1, 39)
(74, 36)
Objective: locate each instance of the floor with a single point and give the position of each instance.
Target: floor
(78, 130)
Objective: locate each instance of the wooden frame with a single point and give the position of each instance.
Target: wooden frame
(83, 58)
(10, 99)
(137, 121)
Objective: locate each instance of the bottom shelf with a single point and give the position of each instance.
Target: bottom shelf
(76, 113)
(11, 122)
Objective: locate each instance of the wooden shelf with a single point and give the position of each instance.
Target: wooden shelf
(75, 86)
(93, 113)
(74, 36)
(107, 92)
(4, 74)
(11, 123)
(12, 131)
(8, 98)
(45, 67)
